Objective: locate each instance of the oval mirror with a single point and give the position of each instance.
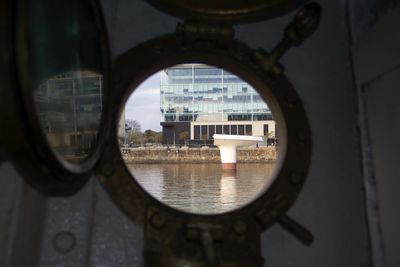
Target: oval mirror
(65, 64)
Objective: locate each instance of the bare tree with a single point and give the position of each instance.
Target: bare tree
(132, 131)
(132, 126)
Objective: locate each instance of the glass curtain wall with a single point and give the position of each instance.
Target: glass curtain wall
(197, 92)
(70, 110)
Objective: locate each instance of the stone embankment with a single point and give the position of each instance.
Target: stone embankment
(195, 155)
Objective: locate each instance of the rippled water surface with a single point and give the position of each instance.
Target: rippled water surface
(203, 188)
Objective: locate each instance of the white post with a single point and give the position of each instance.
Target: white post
(227, 145)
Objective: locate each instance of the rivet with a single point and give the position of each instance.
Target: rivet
(64, 242)
(157, 220)
(240, 227)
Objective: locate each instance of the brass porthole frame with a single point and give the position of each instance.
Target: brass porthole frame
(139, 63)
(226, 11)
(25, 140)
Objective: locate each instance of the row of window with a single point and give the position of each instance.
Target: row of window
(210, 97)
(215, 88)
(202, 74)
(204, 132)
(231, 117)
(204, 80)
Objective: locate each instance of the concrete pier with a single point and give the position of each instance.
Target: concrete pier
(227, 145)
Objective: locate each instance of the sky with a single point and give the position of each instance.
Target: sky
(144, 104)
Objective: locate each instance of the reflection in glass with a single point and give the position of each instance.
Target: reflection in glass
(65, 66)
(203, 188)
(69, 109)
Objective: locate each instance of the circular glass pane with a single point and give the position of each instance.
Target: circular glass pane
(199, 139)
(65, 71)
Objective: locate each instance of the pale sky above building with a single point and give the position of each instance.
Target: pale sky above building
(144, 104)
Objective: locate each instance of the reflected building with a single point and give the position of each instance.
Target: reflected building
(69, 107)
(198, 101)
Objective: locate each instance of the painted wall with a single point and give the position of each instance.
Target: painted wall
(377, 71)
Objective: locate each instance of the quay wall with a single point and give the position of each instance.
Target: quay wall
(195, 155)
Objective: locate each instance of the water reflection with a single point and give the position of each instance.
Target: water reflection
(202, 188)
(228, 190)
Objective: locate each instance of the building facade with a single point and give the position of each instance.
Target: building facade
(69, 106)
(198, 100)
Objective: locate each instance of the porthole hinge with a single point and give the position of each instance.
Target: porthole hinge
(203, 33)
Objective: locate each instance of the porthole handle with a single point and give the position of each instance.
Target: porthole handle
(296, 229)
(206, 235)
(303, 24)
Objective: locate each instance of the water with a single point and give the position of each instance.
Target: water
(203, 188)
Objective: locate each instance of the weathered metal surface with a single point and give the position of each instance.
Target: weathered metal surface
(324, 85)
(68, 228)
(239, 11)
(164, 227)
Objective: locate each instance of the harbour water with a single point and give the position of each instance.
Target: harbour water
(203, 188)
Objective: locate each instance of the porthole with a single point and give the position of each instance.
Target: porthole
(175, 236)
(61, 64)
(200, 139)
(169, 54)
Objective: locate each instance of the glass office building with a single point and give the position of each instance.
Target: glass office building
(200, 92)
(69, 106)
(200, 95)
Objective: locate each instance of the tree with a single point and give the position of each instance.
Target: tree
(132, 126)
(149, 136)
(137, 138)
(133, 132)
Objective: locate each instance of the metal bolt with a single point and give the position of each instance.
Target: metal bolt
(64, 242)
(157, 220)
(240, 227)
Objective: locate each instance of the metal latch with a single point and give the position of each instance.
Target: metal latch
(304, 23)
(206, 235)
